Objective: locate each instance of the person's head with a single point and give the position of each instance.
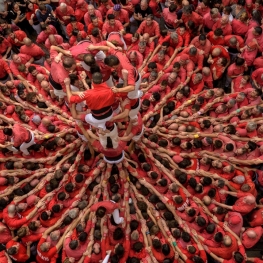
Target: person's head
(44, 247)
(118, 234)
(111, 19)
(149, 20)
(27, 41)
(257, 31)
(227, 240)
(144, 4)
(218, 237)
(69, 64)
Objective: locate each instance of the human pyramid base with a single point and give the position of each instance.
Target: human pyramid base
(140, 147)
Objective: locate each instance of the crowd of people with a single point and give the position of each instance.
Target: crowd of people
(131, 131)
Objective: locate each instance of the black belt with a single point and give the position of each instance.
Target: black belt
(136, 104)
(37, 58)
(115, 158)
(54, 84)
(30, 137)
(5, 77)
(102, 113)
(169, 26)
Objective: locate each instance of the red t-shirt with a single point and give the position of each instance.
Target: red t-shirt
(44, 257)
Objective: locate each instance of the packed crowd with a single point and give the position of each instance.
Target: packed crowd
(131, 131)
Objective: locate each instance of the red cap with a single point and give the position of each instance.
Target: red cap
(234, 220)
(2, 137)
(184, 57)
(31, 200)
(10, 109)
(3, 181)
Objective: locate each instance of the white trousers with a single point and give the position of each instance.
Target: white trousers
(113, 135)
(138, 137)
(24, 146)
(97, 123)
(134, 112)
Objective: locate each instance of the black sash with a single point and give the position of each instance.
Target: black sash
(54, 84)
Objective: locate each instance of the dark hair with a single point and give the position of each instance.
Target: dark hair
(111, 60)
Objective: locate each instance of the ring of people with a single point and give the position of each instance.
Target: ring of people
(131, 131)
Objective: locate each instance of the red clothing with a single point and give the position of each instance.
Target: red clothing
(34, 51)
(44, 257)
(21, 255)
(14, 66)
(99, 97)
(3, 258)
(224, 53)
(124, 64)
(87, 19)
(107, 28)
(185, 37)
(208, 22)
(110, 153)
(169, 17)
(152, 30)
(242, 207)
(4, 68)
(79, 26)
(258, 62)
(227, 29)
(4, 46)
(206, 47)
(20, 134)
(250, 242)
(91, 27)
(110, 206)
(238, 38)
(59, 41)
(68, 12)
(19, 35)
(215, 41)
(234, 70)
(5, 235)
(239, 28)
(122, 16)
(197, 59)
(196, 18)
(42, 37)
(257, 76)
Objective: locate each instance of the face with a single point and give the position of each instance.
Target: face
(61, 142)
(171, 78)
(16, 59)
(144, 108)
(142, 49)
(181, 30)
(179, 95)
(132, 58)
(91, 10)
(34, 100)
(143, 6)
(134, 39)
(30, 6)
(112, 22)
(96, 248)
(16, 7)
(160, 57)
(149, 22)
(95, 22)
(43, 12)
